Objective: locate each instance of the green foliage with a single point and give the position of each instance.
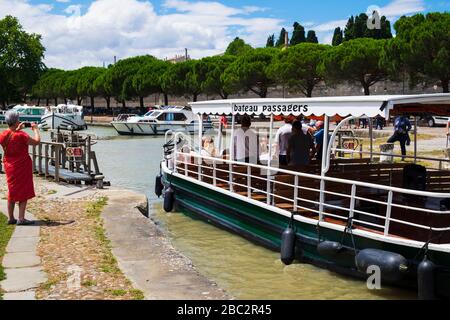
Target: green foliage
(238, 47)
(355, 61)
(281, 38)
(6, 232)
(298, 67)
(183, 79)
(357, 28)
(21, 57)
(249, 72)
(338, 37)
(298, 35)
(311, 37)
(421, 48)
(270, 41)
(147, 80)
(214, 67)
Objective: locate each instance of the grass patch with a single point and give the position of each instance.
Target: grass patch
(116, 292)
(6, 232)
(46, 286)
(89, 283)
(137, 294)
(109, 262)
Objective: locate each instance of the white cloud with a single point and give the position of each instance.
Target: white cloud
(124, 28)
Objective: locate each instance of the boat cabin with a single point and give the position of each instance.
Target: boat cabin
(349, 188)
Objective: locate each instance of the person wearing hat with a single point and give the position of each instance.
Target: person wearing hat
(18, 165)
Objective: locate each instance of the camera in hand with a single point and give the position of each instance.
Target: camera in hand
(27, 124)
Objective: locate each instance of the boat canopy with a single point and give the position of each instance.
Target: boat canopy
(358, 106)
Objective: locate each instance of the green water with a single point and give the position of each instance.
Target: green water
(245, 270)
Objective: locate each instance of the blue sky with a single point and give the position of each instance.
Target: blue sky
(318, 11)
(92, 32)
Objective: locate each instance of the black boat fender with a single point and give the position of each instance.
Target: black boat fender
(288, 239)
(329, 249)
(426, 280)
(393, 266)
(169, 199)
(159, 185)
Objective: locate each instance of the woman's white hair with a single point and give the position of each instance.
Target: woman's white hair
(11, 117)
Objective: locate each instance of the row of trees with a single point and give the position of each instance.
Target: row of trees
(298, 36)
(421, 51)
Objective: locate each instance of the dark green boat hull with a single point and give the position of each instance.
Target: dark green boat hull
(264, 227)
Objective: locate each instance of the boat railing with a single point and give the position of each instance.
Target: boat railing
(415, 159)
(335, 204)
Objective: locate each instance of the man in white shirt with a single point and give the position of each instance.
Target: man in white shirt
(281, 139)
(246, 145)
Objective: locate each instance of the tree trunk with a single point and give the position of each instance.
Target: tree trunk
(47, 102)
(39, 102)
(56, 102)
(124, 104)
(194, 97)
(166, 99)
(445, 86)
(366, 89)
(141, 102)
(65, 100)
(108, 103)
(79, 101)
(309, 91)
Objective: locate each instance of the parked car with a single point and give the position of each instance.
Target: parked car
(437, 121)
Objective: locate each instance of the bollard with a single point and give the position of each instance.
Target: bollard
(99, 181)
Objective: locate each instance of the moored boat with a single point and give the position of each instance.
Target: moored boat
(64, 117)
(347, 214)
(158, 122)
(27, 113)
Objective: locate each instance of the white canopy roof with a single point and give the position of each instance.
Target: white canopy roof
(358, 106)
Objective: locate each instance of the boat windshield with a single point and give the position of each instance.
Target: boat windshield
(149, 114)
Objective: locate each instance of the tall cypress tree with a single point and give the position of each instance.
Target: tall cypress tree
(280, 41)
(311, 37)
(350, 29)
(338, 37)
(270, 41)
(298, 36)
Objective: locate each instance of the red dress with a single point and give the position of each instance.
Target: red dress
(18, 166)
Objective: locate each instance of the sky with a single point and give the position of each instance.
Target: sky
(78, 33)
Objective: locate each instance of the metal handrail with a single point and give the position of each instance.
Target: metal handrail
(354, 184)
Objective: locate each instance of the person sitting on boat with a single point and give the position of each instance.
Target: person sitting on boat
(402, 126)
(318, 137)
(299, 146)
(208, 148)
(246, 145)
(281, 140)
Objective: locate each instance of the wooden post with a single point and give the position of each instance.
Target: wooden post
(88, 141)
(40, 158)
(57, 163)
(46, 159)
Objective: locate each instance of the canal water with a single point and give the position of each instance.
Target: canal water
(245, 270)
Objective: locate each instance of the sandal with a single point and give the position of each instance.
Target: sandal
(25, 222)
(12, 222)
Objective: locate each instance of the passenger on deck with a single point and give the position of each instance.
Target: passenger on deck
(402, 126)
(318, 136)
(208, 147)
(281, 140)
(299, 146)
(246, 144)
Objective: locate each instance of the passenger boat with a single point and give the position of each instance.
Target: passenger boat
(65, 117)
(27, 113)
(349, 214)
(158, 122)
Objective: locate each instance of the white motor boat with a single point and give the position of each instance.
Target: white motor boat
(26, 113)
(158, 122)
(64, 117)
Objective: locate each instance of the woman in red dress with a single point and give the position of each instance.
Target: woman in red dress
(18, 165)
